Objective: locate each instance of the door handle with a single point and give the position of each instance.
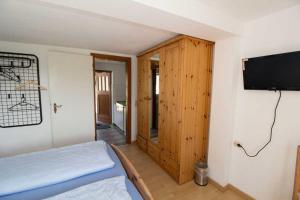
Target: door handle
(55, 106)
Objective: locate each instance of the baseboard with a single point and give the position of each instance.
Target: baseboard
(238, 191)
(230, 187)
(217, 185)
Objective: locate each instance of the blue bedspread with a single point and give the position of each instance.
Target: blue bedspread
(55, 189)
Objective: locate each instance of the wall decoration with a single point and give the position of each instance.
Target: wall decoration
(20, 90)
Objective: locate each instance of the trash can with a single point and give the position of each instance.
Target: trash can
(201, 170)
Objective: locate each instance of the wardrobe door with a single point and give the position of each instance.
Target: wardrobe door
(143, 97)
(196, 101)
(169, 108)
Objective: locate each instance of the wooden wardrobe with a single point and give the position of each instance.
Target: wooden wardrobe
(183, 102)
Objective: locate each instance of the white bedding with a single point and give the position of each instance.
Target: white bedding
(38, 169)
(107, 189)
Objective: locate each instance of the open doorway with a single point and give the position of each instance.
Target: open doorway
(112, 83)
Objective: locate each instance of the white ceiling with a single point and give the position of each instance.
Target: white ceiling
(246, 10)
(25, 21)
(31, 21)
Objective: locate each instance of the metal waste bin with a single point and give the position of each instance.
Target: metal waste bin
(201, 170)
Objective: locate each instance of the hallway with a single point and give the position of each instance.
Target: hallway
(111, 134)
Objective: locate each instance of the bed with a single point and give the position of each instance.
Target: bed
(134, 184)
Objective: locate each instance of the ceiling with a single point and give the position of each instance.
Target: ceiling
(246, 10)
(25, 21)
(40, 23)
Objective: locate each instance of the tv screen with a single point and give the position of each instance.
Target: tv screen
(273, 72)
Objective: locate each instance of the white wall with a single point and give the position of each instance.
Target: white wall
(118, 82)
(269, 176)
(246, 116)
(32, 138)
(225, 69)
(29, 138)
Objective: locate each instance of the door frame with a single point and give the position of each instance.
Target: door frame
(110, 90)
(127, 61)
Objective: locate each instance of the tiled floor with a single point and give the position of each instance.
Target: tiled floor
(112, 135)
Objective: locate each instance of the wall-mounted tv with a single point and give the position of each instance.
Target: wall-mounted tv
(272, 72)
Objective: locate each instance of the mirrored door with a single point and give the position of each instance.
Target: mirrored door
(154, 103)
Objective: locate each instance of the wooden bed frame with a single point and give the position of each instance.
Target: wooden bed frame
(297, 176)
(132, 174)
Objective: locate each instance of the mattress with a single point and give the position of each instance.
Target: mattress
(51, 190)
(38, 169)
(107, 189)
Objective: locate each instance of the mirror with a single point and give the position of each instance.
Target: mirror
(154, 64)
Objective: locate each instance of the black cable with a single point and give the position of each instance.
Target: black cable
(271, 131)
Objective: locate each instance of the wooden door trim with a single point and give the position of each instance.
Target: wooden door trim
(127, 60)
(110, 90)
(100, 71)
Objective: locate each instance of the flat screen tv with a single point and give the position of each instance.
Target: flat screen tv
(273, 72)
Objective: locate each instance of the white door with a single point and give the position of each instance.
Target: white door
(71, 89)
